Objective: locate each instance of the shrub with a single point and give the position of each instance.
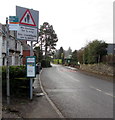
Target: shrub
(45, 63)
(14, 72)
(18, 80)
(57, 61)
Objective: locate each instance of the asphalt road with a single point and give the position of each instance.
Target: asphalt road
(78, 95)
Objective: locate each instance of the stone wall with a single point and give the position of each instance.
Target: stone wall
(102, 69)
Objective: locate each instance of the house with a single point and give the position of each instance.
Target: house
(18, 49)
(110, 57)
(111, 49)
(15, 48)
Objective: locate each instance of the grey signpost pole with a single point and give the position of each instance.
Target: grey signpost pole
(31, 79)
(7, 56)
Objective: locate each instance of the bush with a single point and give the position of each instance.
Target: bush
(57, 61)
(14, 72)
(19, 83)
(45, 63)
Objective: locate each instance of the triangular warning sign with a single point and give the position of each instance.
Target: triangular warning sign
(27, 19)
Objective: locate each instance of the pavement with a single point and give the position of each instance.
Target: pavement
(40, 107)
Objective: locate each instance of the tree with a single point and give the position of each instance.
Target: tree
(85, 55)
(74, 58)
(38, 54)
(101, 51)
(80, 55)
(48, 37)
(61, 53)
(94, 52)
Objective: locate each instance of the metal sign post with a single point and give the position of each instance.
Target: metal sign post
(8, 27)
(31, 71)
(28, 30)
(7, 68)
(31, 79)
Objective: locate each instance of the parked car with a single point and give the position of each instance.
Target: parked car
(38, 68)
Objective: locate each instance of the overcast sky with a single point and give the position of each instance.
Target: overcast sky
(76, 22)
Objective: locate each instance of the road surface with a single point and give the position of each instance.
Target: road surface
(78, 95)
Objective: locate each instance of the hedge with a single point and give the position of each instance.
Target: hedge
(14, 72)
(19, 83)
(57, 61)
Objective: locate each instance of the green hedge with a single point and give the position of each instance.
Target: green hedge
(19, 83)
(57, 61)
(14, 72)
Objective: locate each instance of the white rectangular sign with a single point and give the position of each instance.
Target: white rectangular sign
(13, 27)
(27, 33)
(30, 70)
(31, 66)
(13, 23)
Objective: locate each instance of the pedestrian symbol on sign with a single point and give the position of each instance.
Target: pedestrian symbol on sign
(27, 19)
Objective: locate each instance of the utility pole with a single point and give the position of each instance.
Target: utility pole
(7, 66)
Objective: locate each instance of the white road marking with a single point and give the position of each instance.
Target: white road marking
(101, 91)
(109, 94)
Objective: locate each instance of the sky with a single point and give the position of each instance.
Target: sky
(76, 22)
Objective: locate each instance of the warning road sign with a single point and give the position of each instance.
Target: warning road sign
(27, 16)
(28, 24)
(27, 19)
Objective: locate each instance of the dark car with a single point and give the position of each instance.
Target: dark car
(38, 68)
